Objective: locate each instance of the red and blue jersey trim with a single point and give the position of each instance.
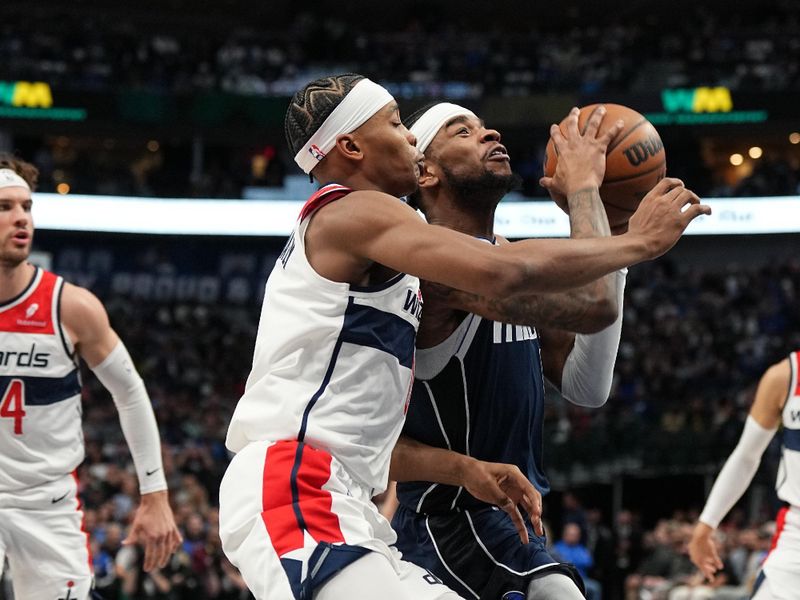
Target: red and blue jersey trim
(323, 196)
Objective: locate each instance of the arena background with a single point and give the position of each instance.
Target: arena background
(185, 100)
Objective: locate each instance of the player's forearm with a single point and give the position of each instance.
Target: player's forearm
(415, 461)
(560, 265)
(118, 375)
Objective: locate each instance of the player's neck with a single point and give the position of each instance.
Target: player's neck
(475, 220)
(14, 279)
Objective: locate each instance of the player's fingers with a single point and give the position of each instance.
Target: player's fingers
(535, 513)
(559, 141)
(611, 132)
(694, 211)
(571, 123)
(176, 539)
(716, 560)
(686, 196)
(512, 511)
(666, 184)
(592, 125)
(160, 552)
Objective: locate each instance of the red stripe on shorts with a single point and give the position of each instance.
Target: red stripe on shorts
(83, 520)
(796, 356)
(780, 523)
(278, 508)
(276, 499)
(315, 502)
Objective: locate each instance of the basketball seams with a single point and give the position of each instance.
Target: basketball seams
(621, 137)
(636, 175)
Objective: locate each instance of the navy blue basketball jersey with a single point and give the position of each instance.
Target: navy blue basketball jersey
(480, 393)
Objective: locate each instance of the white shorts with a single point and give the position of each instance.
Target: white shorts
(292, 520)
(780, 574)
(41, 534)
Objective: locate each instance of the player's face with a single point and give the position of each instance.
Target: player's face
(391, 158)
(16, 225)
(464, 146)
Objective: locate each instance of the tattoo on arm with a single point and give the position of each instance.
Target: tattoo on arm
(587, 217)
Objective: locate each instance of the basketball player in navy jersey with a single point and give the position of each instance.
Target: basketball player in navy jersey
(45, 326)
(478, 399)
(334, 355)
(777, 404)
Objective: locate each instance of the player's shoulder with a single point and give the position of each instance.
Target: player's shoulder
(365, 210)
(773, 389)
(79, 306)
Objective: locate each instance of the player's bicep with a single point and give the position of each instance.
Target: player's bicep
(771, 394)
(441, 255)
(85, 317)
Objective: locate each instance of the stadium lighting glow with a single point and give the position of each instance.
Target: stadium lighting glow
(794, 138)
(277, 218)
(736, 159)
(755, 152)
(62, 188)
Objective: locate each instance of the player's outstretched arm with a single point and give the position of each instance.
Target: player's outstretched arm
(741, 466)
(86, 321)
(376, 227)
(500, 484)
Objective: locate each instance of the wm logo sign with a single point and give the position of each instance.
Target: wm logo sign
(697, 100)
(26, 94)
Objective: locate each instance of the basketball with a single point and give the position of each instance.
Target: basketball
(635, 160)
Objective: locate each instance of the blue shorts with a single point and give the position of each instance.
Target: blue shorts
(477, 553)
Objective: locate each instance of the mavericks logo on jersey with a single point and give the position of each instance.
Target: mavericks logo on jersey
(503, 332)
(11, 358)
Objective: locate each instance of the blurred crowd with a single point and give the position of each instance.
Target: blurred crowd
(417, 51)
(623, 560)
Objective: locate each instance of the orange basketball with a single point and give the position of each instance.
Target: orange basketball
(635, 160)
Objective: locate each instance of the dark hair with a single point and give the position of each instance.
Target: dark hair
(24, 169)
(415, 116)
(313, 104)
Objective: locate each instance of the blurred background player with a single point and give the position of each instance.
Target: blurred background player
(777, 403)
(45, 325)
(479, 390)
(333, 364)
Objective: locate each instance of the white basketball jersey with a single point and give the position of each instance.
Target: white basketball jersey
(788, 483)
(40, 402)
(333, 363)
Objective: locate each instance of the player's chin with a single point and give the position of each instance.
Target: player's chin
(499, 166)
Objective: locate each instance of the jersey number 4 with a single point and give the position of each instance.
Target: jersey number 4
(12, 406)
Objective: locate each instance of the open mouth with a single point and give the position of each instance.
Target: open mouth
(499, 153)
(21, 237)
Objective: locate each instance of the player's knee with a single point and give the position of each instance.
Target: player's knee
(555, 586)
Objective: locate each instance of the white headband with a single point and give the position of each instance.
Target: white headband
(429, 124)
(364, 100)
(9, 178)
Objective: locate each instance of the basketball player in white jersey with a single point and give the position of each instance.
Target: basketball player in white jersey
(46, 324)
(333, 365)
(777, 404)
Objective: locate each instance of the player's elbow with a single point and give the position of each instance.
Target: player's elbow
(587, 398)
(602, 314)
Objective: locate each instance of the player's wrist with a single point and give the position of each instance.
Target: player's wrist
(155, 497)
(576, 189)
(702, 530)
